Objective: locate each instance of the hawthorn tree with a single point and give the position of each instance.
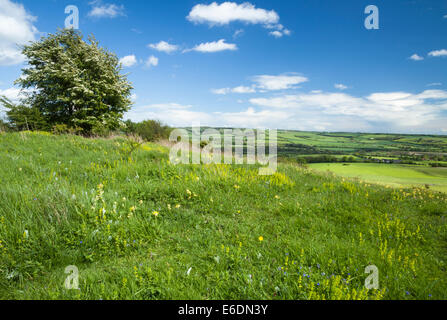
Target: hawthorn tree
(75, 83)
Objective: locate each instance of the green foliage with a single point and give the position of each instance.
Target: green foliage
(72, 82)
(22, 117)
(59, 129)
(139, 227)
(3, 126)
(129, 127)
(149, 130)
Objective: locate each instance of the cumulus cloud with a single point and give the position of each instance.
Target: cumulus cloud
(263, 83)
(128, 61)
(393, 109)
(215, 46)
(434, 84)
(164, 46)
(227, 12)
(108, 10)
(416, 57)
(152, 61)
(280, 82)
(438, 53)
(16, 28)
(14, 94)
(323, 111)
(178, 115)
(174, 114)
(280, 32)
(276, 34)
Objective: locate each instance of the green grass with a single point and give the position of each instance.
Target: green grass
(349, 143)
(66, 200)
(390, 174)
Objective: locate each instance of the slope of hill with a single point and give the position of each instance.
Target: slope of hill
(138, 227)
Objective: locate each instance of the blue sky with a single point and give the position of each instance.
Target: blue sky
(305, 65)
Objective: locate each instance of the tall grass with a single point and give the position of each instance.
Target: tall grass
(138, 227)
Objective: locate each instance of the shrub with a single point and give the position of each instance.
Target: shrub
(3, 126)
(24, 118)
(152, 130)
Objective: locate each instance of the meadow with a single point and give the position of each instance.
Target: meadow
(369, 143)
(394, 175)
(138, 227)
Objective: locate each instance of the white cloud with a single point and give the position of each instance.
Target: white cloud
(264, 83)
(395, 110)
(128, 61)
(174, 114)
(221, 91)
(152, 61)
(276, 34)
(416, 57)
(106, 10)
(438, 53)
(178, 115)
(214, 46)
(445, 17)
(164, 46)
(340, 86)
(16, 28)
(378, 112)
(280, 33)
(433, 84)
(240, 89)
(281, 82)
(13, 94)
(227, 12)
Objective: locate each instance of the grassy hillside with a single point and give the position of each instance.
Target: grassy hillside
(390, 174)
(138, 227)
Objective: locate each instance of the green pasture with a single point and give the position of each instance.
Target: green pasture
(390, 174)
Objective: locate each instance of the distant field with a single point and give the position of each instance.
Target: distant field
(393, 175)
(348, 143)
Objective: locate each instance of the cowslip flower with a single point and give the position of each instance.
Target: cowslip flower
(155, 213)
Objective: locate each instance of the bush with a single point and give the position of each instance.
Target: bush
(152, 130)
(24, 118)
(3, 126)
(129, 127)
